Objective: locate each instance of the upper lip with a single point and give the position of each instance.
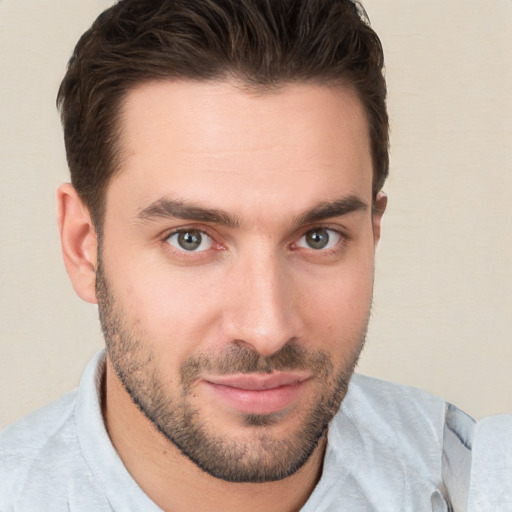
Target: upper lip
(258, 381)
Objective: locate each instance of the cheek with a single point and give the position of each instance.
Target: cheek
(337, 305)
(173, 310)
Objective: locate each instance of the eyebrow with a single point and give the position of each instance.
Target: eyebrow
(164, 208)
(174, 208)
(329, 209)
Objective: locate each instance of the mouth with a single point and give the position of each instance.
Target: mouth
(258, 393)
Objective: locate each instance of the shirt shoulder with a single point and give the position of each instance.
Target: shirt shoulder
(390, 397)
(22, 442)
(60, 458)
(491, 473)
(40, 458)
(384, 451)
(407, 421)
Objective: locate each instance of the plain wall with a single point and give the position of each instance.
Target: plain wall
(443, 298)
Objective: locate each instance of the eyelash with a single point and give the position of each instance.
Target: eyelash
(189, 255)
(338, 245)
(335, 245)
(203, 235)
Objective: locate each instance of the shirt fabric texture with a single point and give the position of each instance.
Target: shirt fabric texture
(391, 448)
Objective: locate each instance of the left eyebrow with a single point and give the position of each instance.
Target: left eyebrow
(329, 209)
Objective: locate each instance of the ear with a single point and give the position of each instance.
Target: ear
(78, 241)
(379, 207)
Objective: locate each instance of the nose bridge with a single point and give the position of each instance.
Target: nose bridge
(262, 315)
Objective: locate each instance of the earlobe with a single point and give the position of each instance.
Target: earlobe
(78, 241)
(379, 207)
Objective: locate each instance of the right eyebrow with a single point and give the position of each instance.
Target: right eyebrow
(329, 209)
(172, 208)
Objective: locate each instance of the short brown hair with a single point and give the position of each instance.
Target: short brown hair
(263, 43)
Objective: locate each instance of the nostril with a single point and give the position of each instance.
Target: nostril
(244, 345)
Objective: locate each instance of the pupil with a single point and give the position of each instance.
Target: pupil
(189, 240)
(317, 239)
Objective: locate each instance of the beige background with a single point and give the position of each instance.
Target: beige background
(443, 296)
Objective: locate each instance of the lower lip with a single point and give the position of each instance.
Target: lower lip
(265, 401)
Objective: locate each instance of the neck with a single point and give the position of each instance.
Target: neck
(158, 466)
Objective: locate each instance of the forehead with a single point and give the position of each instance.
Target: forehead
(216, 141)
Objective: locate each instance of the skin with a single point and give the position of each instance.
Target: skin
(269, 161)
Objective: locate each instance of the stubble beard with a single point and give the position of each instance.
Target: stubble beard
(260, 457)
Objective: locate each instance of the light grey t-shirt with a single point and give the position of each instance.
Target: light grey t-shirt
(385, 453)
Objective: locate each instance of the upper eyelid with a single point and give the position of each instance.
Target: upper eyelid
(338, 229)
(315, 228)
(334, 230)
(180, 230)
(172, 231)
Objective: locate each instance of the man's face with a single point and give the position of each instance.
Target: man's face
(236, 267)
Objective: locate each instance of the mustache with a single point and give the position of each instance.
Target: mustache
(238, 358)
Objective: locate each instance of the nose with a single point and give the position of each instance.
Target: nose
(261, 311)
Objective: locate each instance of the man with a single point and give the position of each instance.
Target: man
(227, 163)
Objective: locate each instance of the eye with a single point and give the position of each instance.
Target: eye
(190, 240)
(319, 238)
